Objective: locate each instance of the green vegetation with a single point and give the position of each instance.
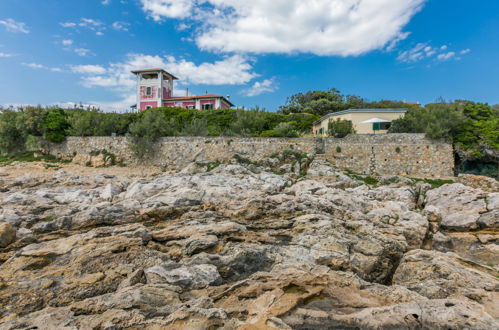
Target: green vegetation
(27, 156)
(340, 128)
(320, 103)
(210, 166)
(367, 179)
(435, 183)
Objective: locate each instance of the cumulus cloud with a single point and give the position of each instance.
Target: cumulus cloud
(260, 87)
(67, 42)
(13, 26)
(4, 55)
(322, 27)
(106, 2)
(233, 70)
(41, 67)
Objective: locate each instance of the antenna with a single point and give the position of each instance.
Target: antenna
(187, 92)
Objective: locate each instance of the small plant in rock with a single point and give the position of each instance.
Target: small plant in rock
(243, 160)
(338, 149)
(294, 154)
(398, 150)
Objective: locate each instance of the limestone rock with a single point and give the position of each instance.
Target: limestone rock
(459, 205)
(189, 277)
(439, 275)
(7, 234)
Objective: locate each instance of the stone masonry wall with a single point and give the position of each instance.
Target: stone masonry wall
(392, 154)
(387, 154)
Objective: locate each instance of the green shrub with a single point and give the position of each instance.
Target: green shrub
(338, 149)
(340, 128)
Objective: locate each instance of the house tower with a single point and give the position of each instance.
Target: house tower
(153, 86)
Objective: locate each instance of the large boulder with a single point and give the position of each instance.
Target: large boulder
(460, 206)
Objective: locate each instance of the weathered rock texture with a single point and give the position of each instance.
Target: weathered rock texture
(386, 154)
(240, 247)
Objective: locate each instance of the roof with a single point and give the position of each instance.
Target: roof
(197, 97)
(344, 112)
(155, 70)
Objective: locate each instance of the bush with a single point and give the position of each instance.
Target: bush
(340, 128)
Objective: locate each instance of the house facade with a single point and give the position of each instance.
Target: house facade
(155, 89)
(361, 120)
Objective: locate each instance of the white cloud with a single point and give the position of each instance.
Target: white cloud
(82, 51)
(121, 26)
(86, 23)
(67, 42)
(260, 87)
(417, 53)
(158, 9)
(13, 26)
(322, 27)
(4, 55)
(68, 24)
(233, 70)
(423, 51)
(41, 66)
(106, 2)
(402, 36)
(446, 56)
(88, 69)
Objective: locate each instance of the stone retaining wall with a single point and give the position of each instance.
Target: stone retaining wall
(392, 154)
(389, 154)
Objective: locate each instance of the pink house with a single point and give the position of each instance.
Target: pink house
(155, 89)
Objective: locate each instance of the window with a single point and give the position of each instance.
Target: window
(150, 76)
(148, 91)
(148, 107)
(207, 106)
(190, 107)
(381, 126)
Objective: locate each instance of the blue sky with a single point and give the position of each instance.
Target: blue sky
(259, 51)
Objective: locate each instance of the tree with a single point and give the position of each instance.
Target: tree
(340, 128)
(11, 138)
(55, 125)
(437, 121)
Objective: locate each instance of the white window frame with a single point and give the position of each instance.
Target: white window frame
(211, 106)
(148, 91)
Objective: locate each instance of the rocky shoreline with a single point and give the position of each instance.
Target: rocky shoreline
(243, 246)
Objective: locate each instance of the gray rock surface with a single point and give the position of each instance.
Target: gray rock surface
(240, 247)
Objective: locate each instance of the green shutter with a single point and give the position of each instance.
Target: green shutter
(376, 126)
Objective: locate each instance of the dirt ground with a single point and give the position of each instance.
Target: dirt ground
(48, 170)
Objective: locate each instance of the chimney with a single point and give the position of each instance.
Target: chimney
(228, 97)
